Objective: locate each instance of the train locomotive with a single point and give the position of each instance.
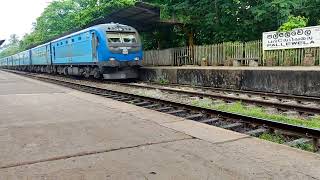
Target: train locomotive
(109, 51)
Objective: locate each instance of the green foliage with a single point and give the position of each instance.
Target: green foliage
(257, 112)
(215, 21)
(163, 81)
(62, 16)
(280, 139)
(211, 21)
(294, 22)
(277, 138)
(11, 48)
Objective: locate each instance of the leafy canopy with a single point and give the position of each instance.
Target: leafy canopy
(294, 22)
(211, 21)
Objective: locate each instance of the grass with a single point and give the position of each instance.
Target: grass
(306, 147)
(280, 139)
(163, 81)
(277, 138)
(258, 112)
(239, 108)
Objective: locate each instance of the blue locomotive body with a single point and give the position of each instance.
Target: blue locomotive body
(113, 51)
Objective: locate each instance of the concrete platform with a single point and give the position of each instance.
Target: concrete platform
(51, 132)
(287, 80)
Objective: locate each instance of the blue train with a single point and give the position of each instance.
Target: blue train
(109, 51)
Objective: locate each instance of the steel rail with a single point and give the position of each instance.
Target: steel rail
(275, 125)
(313, 110)
(298, 130)
(260, 93)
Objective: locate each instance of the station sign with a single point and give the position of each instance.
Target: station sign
(297, 38)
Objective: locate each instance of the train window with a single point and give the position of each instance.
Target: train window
(66, 42)
(72, 40)
(79, 38)
(61, 43)
(114, 38)
(57, 44)
(129, 37)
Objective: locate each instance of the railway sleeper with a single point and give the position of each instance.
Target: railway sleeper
(118, 98)
(175, 112)
(164, 108)
(315, 140)
(134, 101)
(123, 99)
(232, 126)
(143, 103)
(109, 95)
(257, 132)
(151, 106)
(195, 117)
(210, 121)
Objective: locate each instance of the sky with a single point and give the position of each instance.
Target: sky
(17, 16)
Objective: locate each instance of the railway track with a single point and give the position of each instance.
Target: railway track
(293, 134)
(301, 104)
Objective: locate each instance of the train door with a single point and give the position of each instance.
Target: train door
(69, 49)
(29, 57)
(94, 40)
(47, 54)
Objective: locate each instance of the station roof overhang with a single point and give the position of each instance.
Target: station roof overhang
(1, 42)
(142, 16)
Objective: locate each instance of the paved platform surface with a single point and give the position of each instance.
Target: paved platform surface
(53, 133)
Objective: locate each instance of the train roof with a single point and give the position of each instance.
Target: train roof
(111, 27)
(102, 27)
(39, 46)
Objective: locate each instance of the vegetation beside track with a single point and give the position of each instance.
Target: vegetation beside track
(280, 139)
(241, 108)
(258, 112)
(237, 108)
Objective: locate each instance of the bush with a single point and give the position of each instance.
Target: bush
(294, 22)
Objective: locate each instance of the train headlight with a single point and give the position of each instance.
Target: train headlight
(136, 58)
(112, 59)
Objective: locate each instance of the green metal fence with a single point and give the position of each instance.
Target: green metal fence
(224, 53)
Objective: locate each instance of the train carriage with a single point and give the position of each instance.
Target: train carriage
(10, 61)
(111, 51)
(24, 60)
(3, 63)
(40, 58)
(74, 49)
(15, 60)
(77, 49)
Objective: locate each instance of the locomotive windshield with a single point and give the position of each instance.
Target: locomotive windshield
(123, 37)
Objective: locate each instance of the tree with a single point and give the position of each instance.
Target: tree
(14, 39)
(211, 21)
(293, 22)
